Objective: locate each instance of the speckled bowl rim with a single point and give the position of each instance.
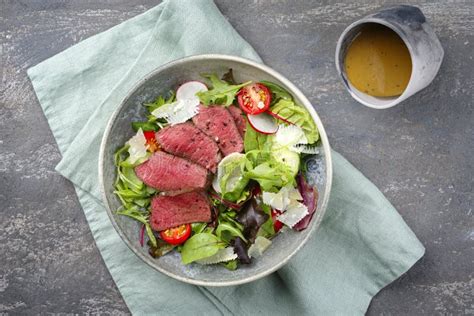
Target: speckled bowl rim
(296, 92)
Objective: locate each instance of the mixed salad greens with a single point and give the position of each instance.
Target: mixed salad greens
(254, 194)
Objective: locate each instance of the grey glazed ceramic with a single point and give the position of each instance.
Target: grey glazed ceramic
(118, 131)
(425, 50)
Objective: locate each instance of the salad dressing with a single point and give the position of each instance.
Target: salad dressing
(378, 62)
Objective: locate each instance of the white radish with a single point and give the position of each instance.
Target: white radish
(263, 123)
(188, 90)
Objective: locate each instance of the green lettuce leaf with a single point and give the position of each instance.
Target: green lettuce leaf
(142, 217)
(128, 175)
(271, 175)
(134, 195)
(145, 126)
(226, 231)
(221, 93)
(267, 230)
(297, 115)
(255, 140)
(233, 182)
(200, 246)
(288, 158)
(230, 265)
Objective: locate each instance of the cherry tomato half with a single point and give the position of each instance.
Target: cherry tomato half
(277, 225)
(254, 98)
(151, 141)
(176, 235)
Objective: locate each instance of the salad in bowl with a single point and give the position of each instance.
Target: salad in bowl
(214, 172)
(215, 177)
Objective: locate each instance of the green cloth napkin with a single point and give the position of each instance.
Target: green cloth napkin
(362, 245)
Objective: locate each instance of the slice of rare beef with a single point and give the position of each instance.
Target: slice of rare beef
(172, 211)
(187, 141)
(217, 122)
(166, 172)
(239, 119)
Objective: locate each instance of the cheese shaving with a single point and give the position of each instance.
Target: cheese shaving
(290, 135)
(178, 112)
(283, 198)
(259, 246)
(222, 255)
(305, 149)
(295, 212)
(294, 138)
(138, 147)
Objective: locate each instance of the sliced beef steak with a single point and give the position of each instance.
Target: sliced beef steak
(173, 174)
(217, 122)
(172, 211)
(239, 119)
(187, 141)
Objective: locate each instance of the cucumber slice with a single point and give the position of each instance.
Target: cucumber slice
(288, 158)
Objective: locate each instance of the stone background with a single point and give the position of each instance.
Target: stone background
(420, 153)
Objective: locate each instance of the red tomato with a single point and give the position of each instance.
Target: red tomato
(277, 225)
(254, 98)
(151, 141)
(176, 235)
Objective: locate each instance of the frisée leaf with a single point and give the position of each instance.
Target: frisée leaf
(160, 101)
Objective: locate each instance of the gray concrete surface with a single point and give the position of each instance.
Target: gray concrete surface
(420, 154)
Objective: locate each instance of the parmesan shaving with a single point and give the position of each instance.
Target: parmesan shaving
(293, 138)
(283, 198)
(178, 112)
(222, 255)
(295, 212)
(305, 149)
(138, 147)
(288, 136)
(261, 244)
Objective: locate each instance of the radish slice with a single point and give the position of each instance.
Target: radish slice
(188, 90)
(278, 117)
(263, 123)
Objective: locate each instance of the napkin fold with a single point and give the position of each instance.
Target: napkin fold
(361, 246)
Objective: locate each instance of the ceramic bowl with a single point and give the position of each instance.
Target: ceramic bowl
(424, 46)
(119, 130)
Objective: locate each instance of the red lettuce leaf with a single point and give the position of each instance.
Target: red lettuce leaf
(240, 249)
(252, 217)
(310, 199)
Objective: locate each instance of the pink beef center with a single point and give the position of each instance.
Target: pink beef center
(172, 211)
(219, 124)
(166, 172)
(239, 119)
(187, 141)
